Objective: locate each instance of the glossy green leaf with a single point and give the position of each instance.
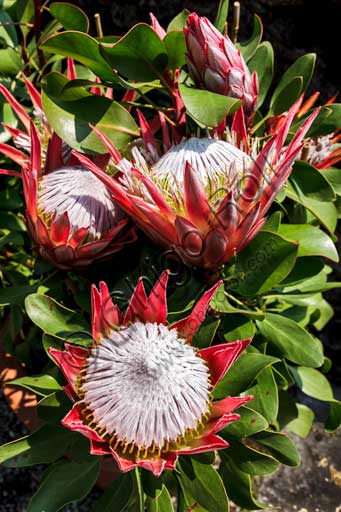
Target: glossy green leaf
(70, 16)
(249, 47)
(179, 21)
(327, 121)
(117, 496)
(221, 16)
(312, 240)
(10, 62)
(273, 222)
(250, 460)
(238, 484)
(53, 408)
(221, 304)
(286, 97)
(41, 447)
(291, 340)
(206, 107)
(63, 483)
(175, 45)
(249, 423)
(301, 425)
(333, 175)
(205, 335)
(312, 383)
(303, 69)
(40, 384)
(136, 60)
(279, 446)
(161, 503)
(71, 112)
(82, 48)
(241, 375)
(264, 263)
(265, 396)
(15, 294)
(237, 327)
(55, 319)
(263, 62)
(311, 182)
(334, 419)
(305, 268)
(203, 483)
(8, 33)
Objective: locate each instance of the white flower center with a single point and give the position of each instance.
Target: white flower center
(210, 158)
(146, 385)
(77, 191)
(319, 149)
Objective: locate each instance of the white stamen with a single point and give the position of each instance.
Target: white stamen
(146, 385)
(86, 200)
(319, 148)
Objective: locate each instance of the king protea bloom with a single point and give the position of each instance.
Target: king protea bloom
(70, 214)
(141, 391)
(205, 198)
(215, 64)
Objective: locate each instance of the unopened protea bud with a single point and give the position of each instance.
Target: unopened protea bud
(215, 64)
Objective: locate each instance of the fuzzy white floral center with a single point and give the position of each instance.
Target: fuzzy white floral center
(319, 148)
(86, 200)
(209, 158)
(146, 385)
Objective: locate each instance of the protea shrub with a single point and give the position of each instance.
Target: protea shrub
(142, 392)
(205, 198)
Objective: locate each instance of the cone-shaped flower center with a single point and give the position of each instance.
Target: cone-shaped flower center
(146, 386)
(319, 148)
(77, 192)
(209, 158)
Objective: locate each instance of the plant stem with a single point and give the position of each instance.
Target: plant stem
(37, 32)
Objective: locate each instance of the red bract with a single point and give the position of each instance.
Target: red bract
(142, 392)
(205, 198)
(70, 215)
(215, 64)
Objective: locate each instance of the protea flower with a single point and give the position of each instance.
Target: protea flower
(215, 64)
(205, 198)
(142, 392)
(70, 215)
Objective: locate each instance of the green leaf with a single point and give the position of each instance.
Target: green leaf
(312, 383)
(221, 16)
(136, 60)
(279, 446)
(204, 337)
(64, 483)
(289, 338)
(241, 375)
(327, 121)
(312, 240)
(176, 49)
(10, 62)
(237, 327)
(82, 48)
(205, 107)
(7, 30)
(286, 97)
(15, 294)
(250, 460)
(264, 263)
(220, 303)
(311, 182)
(238, 484)
(179, 21)
(117, 496)
(70, 16)
(305, 268)
(302, 69)
(71, 118)
(249, 423)
(42, 447)
(333, 175)
(53, 408)
(273, 222)
(249, 47)
(161, 503)
(151, 486)
(265, 395)
(334, 419)
(203, 483)
(263, 63)
(40, 384)
(301, 425)
(55, 319)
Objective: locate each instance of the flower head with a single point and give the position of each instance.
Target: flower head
(215, 64)
(205, 198)
(142, 392)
